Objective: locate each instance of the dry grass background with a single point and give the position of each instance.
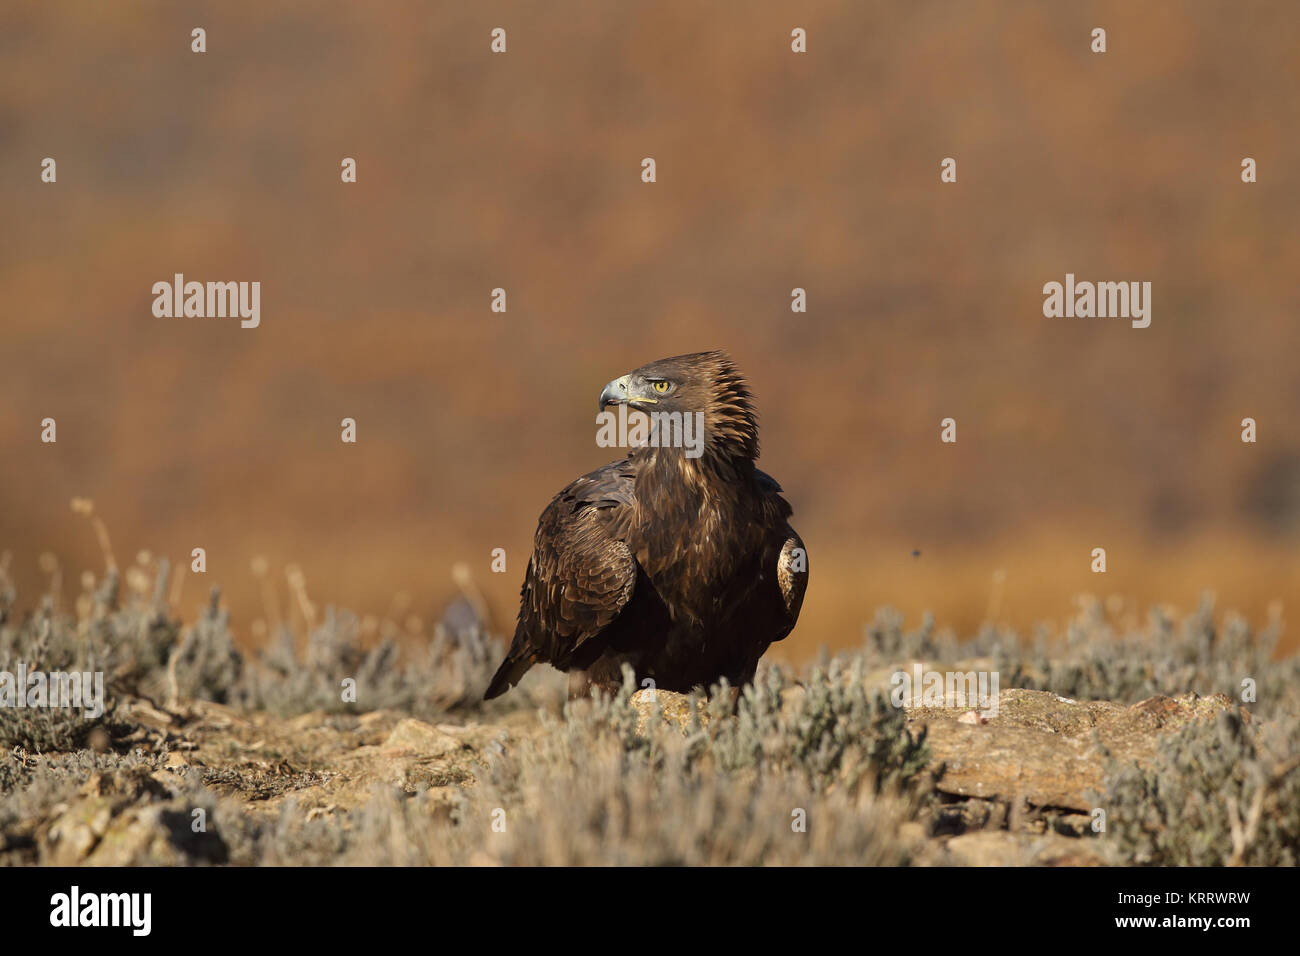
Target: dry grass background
(775, 171)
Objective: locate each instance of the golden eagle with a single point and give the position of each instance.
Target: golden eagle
(677, 560)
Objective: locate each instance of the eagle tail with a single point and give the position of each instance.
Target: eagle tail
(510, 672)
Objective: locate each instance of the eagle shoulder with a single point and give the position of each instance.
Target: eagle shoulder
(792, 575)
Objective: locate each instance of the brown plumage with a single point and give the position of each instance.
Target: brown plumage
(683, 567)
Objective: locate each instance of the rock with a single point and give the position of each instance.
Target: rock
(414, 754)
(73, 835)
(665, 705)
(373, 719)
(913, 834)
(309, 721)
(1045, 748)
(421, 738)
(142, 712)
(126, 818)
(793, 699)
(135, 837)
(1003, 848)
(985, 848)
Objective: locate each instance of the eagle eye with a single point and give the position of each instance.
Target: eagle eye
(662, 387)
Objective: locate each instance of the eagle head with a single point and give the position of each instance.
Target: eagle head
(707, 382)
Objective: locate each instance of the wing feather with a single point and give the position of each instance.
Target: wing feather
(581, 575)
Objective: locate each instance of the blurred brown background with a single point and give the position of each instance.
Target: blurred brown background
(775, 170)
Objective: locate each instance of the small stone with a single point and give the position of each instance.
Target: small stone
(667, 705)
(424, 739)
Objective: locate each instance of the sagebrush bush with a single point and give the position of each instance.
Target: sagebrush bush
(1220, 792)
(831, 729)
(43, 646)
(1097, 659)
(143, 651)
(450, 674)
(1096, 662)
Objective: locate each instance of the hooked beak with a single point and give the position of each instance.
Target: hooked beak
(618, 392)
(615, 393)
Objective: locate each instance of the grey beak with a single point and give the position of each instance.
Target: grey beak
(615, 393)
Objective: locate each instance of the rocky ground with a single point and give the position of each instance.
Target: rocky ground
(1165, 745)
(1020, 787)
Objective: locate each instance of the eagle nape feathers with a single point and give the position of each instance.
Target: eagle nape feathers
(678, 560)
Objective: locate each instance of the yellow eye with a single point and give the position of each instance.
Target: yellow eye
(661, 387)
